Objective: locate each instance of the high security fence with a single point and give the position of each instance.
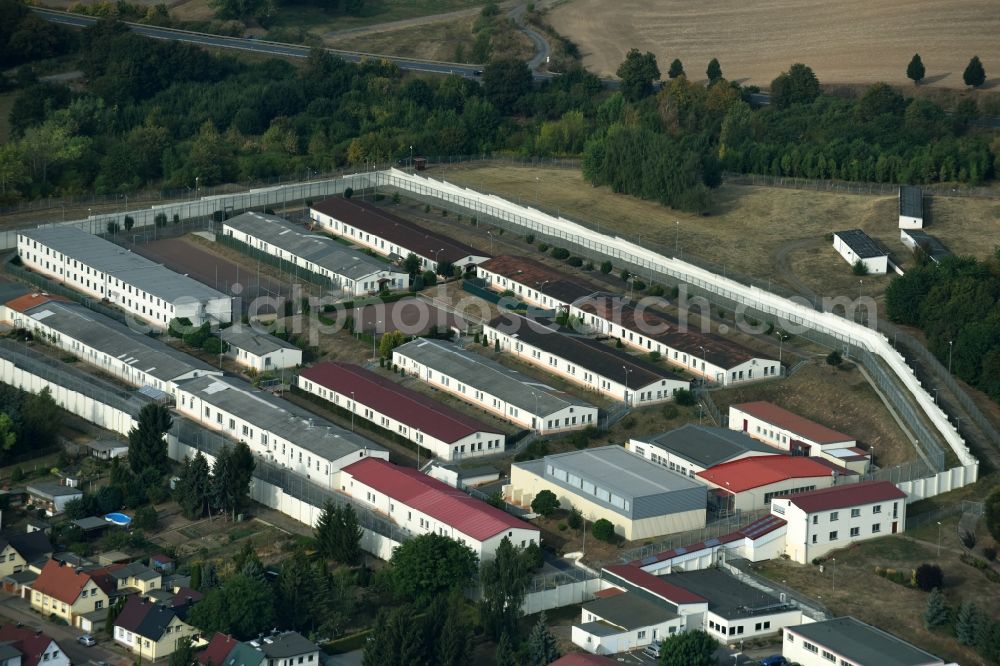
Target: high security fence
(887, 368)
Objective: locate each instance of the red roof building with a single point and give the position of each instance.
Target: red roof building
(637, 579)
(848, 495)
(217, 650)
(750, 483)
(448, 433)
(24, 303)
(64, 583)
(33, 645)
(582, 659)
(779, 427)
(532, 281)
(421, 505)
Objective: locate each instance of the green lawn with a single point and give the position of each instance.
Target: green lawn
(375, 11)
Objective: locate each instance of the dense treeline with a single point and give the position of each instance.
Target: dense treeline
(956, 305)
(29, 422)
(163, 113)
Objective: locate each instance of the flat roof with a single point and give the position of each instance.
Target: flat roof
(727, 596)
(663, 328)
(748, 473)
(585, 352)
(658, 586)
(52, 489)
(279, 417)
(934, 248)
(537, 276)
(864, 644)
(911, 201)
(861, 243)
(407, 235)
(246, 337)
(707, 446)
(123, 264)
(118, 341)
(319, 249)
(792, 422)
(395, 401)
(847, 495)
(629, 611)
(606, 475)
(515, 388)
(438, 500)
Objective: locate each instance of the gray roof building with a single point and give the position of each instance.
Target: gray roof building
(860, 243)
(911, 201)
(863, 644)
(91, 523)
(245, 337)
(116, 341)
(511, 386)
(707, 446)
(727, 597)
(121, 263)
(621, 481)
(136, 570)
(629, 611)
(50, 490)
(934, 248)
(284, 645)
(318, 249)
(279, 417)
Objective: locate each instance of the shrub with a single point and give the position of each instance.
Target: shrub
(395, 197)
(349, 192)
(562, 527)
(113, 227)
(430, 278)
(968, 539)
(928, 576)
(427, 208)
(543, 247)
(16, 475)
(575, 519)
(834, 358)
(160, 219)
(589, 266)
(685, 398)
(530, 239)
(638, 285)
(575, 262)
(444, 213)
(603, 530)
(654, 356)
(989, 551)
(656, 290)
(625, 275)
(545, 503)
(606, 267)
(859, 268)
(670, 411)
(560, 253)
(214, 345)
(177, 218)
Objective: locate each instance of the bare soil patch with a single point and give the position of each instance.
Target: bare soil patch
(847, 41)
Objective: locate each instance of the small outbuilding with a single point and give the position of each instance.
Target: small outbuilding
(855, 245)
(922, 241)
(261, 351)
(911, 207)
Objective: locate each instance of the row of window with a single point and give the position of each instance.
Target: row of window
(855, 532)
(815, 649)
(588, 487)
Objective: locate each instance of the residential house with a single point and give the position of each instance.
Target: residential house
(52, 496)
(69, 592)
(162, 563)
(150, 630)
(287, 648)
(618, 621)
(23, 551)
(135, 576)
(34, 647)
(217, 650)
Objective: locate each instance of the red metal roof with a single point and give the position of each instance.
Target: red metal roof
(851, 494)
(395, 401)
(24, 303)
(582, 659)
(654, 584)
(799, 425)
(407, 235)
(32, 644)
(438, 500)
(217, 650)
(753, 531)
(64, 583)
(744, 474)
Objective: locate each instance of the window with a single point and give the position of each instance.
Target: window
(877, 508)
(789, 637)
(642, 634)
(855, 513)
(829, 656)
(834, 516)
(855, 531)
(833, 536)
(876, 528)
(810, 647)
(815, 520)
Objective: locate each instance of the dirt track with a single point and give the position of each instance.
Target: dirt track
(844, 41)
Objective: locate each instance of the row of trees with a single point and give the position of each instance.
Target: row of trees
(970, 625)
(224, 487)
(29, 422)
(974, 74)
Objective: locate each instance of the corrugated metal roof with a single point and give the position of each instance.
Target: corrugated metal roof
(792, 422)
(537, 276)
(748, 473)
(861, 243)
(852, 494)
(656, 585)
(440, 501)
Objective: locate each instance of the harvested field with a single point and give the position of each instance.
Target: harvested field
(847, 41)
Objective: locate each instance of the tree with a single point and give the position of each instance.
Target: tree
(243, 606)
(676, 69)
(993, 514)
(145, 519)
(114, 610)
(337, 534)
(193, 490)
(974, 74)
(542, 648)
(545, 503)
(505, 655)
(324, 534)
(505, 82)
(47, 145)
(429, 565)
(798, 85)
(714, 71)
(454, 647)
(8, 435)
(247, 561)
(606, 267)
(689, 648)
(937, 612)
(295, 589)
(834, 359)
(411, 264)
(13, 170)
(967, 623)
(429, 278)
(231, 476)
(504, 582)
(928, 577)
(183, 654)
(638, 73)
(603, 530)
(390, 340)
(915, 70)
(147, 449)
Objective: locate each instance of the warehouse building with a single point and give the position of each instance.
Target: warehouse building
(591, 364)
(640, 499)
(922, 242)
(846, 640)
(276, 430)
(261, 351)
(693, 448)
(99, 341)
(706, 355)
(503, 392)
(532, 282)
(446, 432)
(423, 505)
(391, 236)
(911, 207)
(855, 245)
(347, 269)
(99, 268)
(749, 484)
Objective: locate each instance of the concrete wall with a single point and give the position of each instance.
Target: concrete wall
(561, 595)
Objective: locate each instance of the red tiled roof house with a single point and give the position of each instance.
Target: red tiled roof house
(69, 593)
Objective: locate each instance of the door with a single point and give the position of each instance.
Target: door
(746, 426)
(894, 525)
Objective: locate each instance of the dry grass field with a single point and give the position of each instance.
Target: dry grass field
(771, 234)
(846, 41)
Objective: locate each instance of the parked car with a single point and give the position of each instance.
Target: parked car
(774, 660)
(87, 640)
(652, 650)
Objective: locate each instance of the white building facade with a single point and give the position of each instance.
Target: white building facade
(855, 245)
(260, 351)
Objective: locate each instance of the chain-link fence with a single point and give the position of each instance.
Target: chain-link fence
(717, 528)
(50, 287)
(848, 187)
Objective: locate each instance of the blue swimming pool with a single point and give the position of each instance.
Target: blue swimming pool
(118, 519)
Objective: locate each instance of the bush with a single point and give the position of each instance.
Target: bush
(530, 239)
(113, 227)
(685, 398)
(604, 530)
(638, 285)
(968, 539)
(589, 266)
(575, 262)
(129, 222)
(349, 192)
(430, 278)
(395, 197)
(545, 503)
(656, 290)
(543, 247)
(670, 411)
(560, 253)
(928, 576)
(859, 268)
(427, 208)
(160, 219)
(625, 275)
(654, 356)
(575, 519)
(16, 475)
(214, 345)
(606, 267)
(989, 551)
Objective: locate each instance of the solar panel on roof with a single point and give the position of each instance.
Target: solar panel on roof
(648, 560)
(712, 542)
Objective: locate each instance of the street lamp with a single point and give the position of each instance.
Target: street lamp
(951, 345)
(437, 253)
(833, 573)
(490, 234)
(939, 538)
(625, 368)
(704, 363)
(677, 235)
(411, 159)
(374, 336)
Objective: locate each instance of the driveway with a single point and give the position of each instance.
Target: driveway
(17, 610)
